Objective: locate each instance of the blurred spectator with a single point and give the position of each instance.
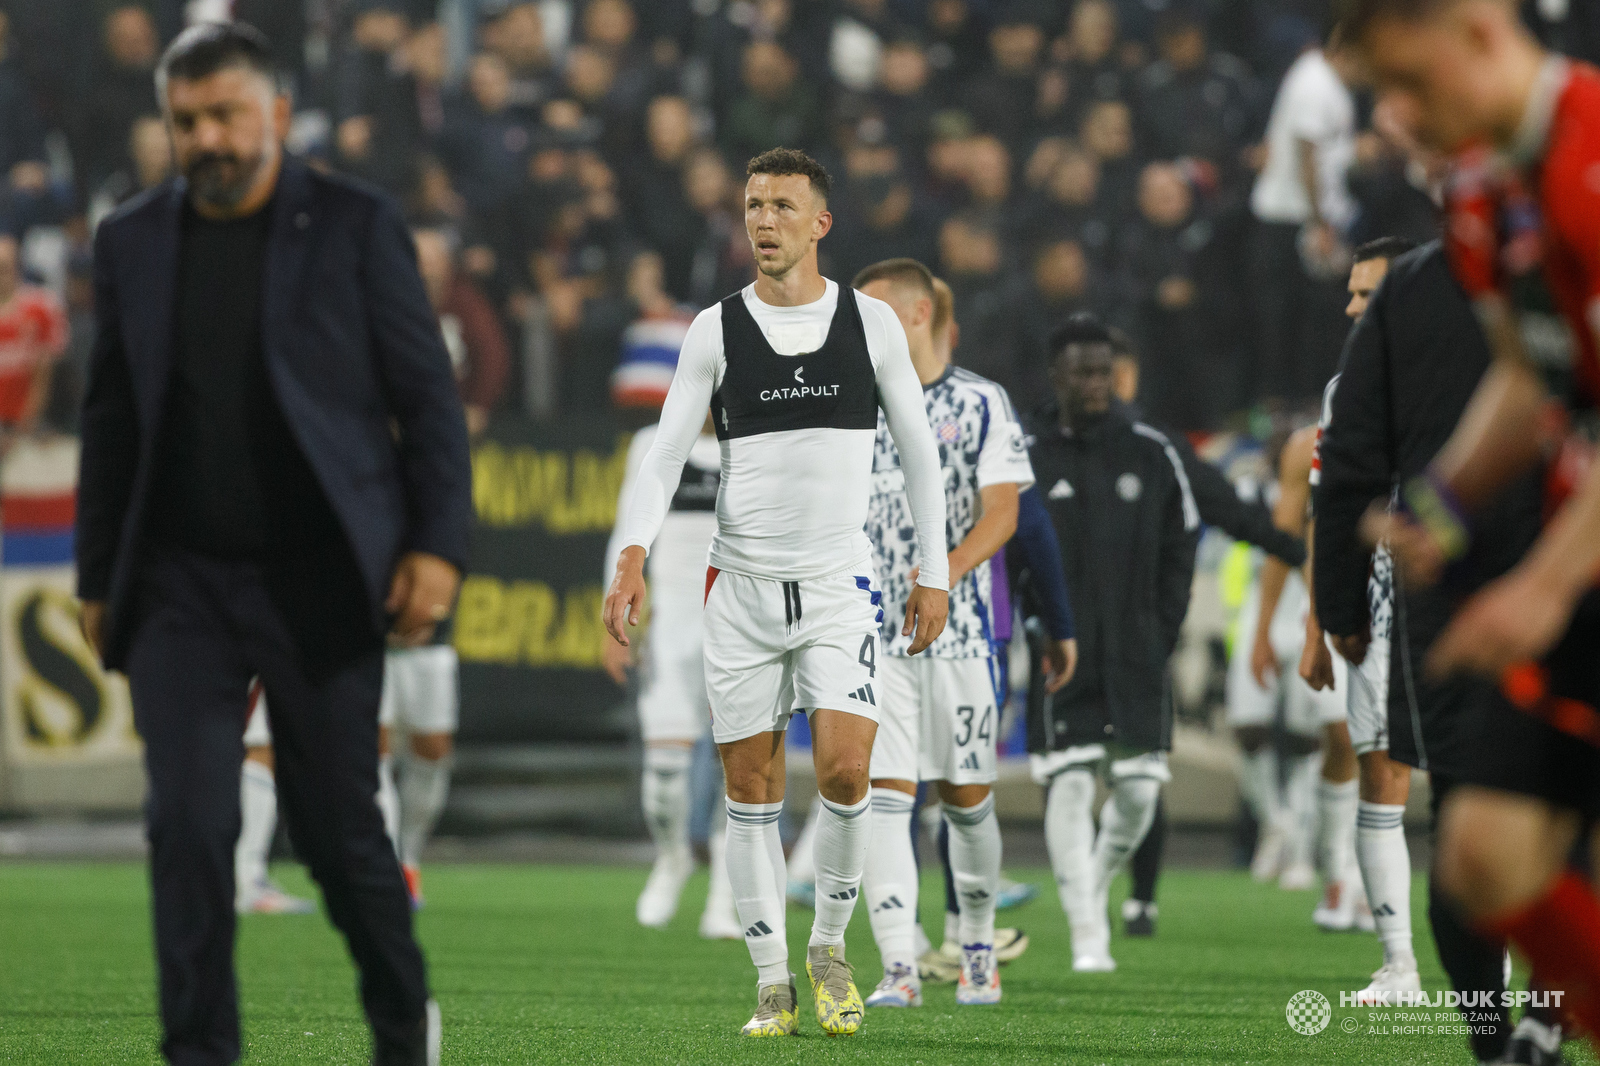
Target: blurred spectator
(486, 140)
(22, 130)
(855, 43)
(970, 261)
(1197, 104)
(1070, 206)
(150, 164)
(903, 102)
(957, 43)
(988, 174)
(651, 344)
(1166, 253)
(516, 36)
(1107, 134)
(776, 108)
(472, 332)
(878, 215)
(33, 335)
(1304, 209)
(657, 190)
(1094, 70)
(123, 90)
(723, 261)
(1061, 284)
(1002, 99)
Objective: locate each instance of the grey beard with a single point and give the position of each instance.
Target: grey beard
(216, 192)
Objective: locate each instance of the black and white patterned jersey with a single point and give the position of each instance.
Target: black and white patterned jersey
(980, 444)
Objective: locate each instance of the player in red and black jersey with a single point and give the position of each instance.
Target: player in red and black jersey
(1523, 231)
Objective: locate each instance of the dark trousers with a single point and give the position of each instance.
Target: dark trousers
(205, 627)
(1300, 323)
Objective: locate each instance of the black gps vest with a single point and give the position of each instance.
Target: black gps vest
(764, 392)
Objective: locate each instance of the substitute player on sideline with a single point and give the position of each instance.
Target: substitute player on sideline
(672, 702)
(1524, 238)
(794, 368)
(940, 715)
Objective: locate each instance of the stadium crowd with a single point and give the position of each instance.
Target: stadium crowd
(579, 164)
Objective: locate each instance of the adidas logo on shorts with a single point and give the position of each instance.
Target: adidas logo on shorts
(970, 762)
(864, 694)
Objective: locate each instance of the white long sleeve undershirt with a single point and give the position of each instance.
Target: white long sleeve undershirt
(793, 504)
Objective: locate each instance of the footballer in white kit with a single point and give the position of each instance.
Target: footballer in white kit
(940, 715)
(793, 369)
(673, 711)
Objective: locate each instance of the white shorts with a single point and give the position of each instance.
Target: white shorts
(1369, 700)
(937, 720)
(420, 696)
(1305, 710)
(776, 647)
(257, 730)
(1115, 764)
(672, 702)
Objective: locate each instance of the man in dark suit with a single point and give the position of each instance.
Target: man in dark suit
(274, 476)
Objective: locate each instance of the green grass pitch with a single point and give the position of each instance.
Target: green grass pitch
(546, 965)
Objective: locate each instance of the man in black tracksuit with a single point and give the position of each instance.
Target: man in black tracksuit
(1409, 367)
(1122, 508)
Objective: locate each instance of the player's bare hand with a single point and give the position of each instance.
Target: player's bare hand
(1060, 663)
(616, 659)
(1263, 660)
(926, 612)
(1316, 662)
(1510, 620)
(1416, 553)
(420, 597)
(1352, 649)
(92, 619)
(626, 598)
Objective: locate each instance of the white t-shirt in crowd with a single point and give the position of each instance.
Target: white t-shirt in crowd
(1312, 105)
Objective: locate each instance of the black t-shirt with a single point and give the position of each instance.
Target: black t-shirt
(230, 480)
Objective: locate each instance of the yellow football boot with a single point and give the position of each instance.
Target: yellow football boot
(776, 1013)
(839, 1006)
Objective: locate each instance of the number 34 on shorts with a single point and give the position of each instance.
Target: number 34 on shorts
(939, 721)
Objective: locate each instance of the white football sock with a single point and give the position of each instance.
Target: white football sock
(952, 928)
(1336, 809)
(1124, 820)
(975, 865)
(664, 790)
(803, 857)
(719, 896)
(1386, 868)
(1258, 783)
(389, 800)
(889, 880)
(843, 833)
(757, 894)
(1300, 808)
(258, 817)
(1069, 837)
(423, 789)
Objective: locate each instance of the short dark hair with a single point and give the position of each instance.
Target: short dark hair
(905, 270)
(784, 161)
(200, 51)
(1383, 248)
(1352, 18)
(1081, 328)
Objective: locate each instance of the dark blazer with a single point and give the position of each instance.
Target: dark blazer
(355, 358)
(1122, 508)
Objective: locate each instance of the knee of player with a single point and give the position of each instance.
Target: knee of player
(432, 746)
(842, 778)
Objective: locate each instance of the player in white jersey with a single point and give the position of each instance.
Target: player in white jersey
(794, 368)
(940, 716)
(673, 713)
(254, 892)
(1385, 784)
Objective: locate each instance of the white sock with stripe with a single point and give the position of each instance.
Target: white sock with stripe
(1336, 804)
(757, 893)
(1069, 836)
(975, 865)
(890, 879)
(258, 818)
(843, 832)
(1124, 820)
(1385, 860)
(803, 859)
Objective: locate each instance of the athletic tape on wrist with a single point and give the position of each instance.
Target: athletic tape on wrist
(1430, 501)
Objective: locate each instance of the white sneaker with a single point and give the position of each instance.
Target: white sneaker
(720, 923)
(265, 897)
(1297, 877)
(1336, 912)
(1268, 860)
(659, 900)
(1099, 962)
(1391, 978)
(938, 968)
(900, 987)
(980, 976)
